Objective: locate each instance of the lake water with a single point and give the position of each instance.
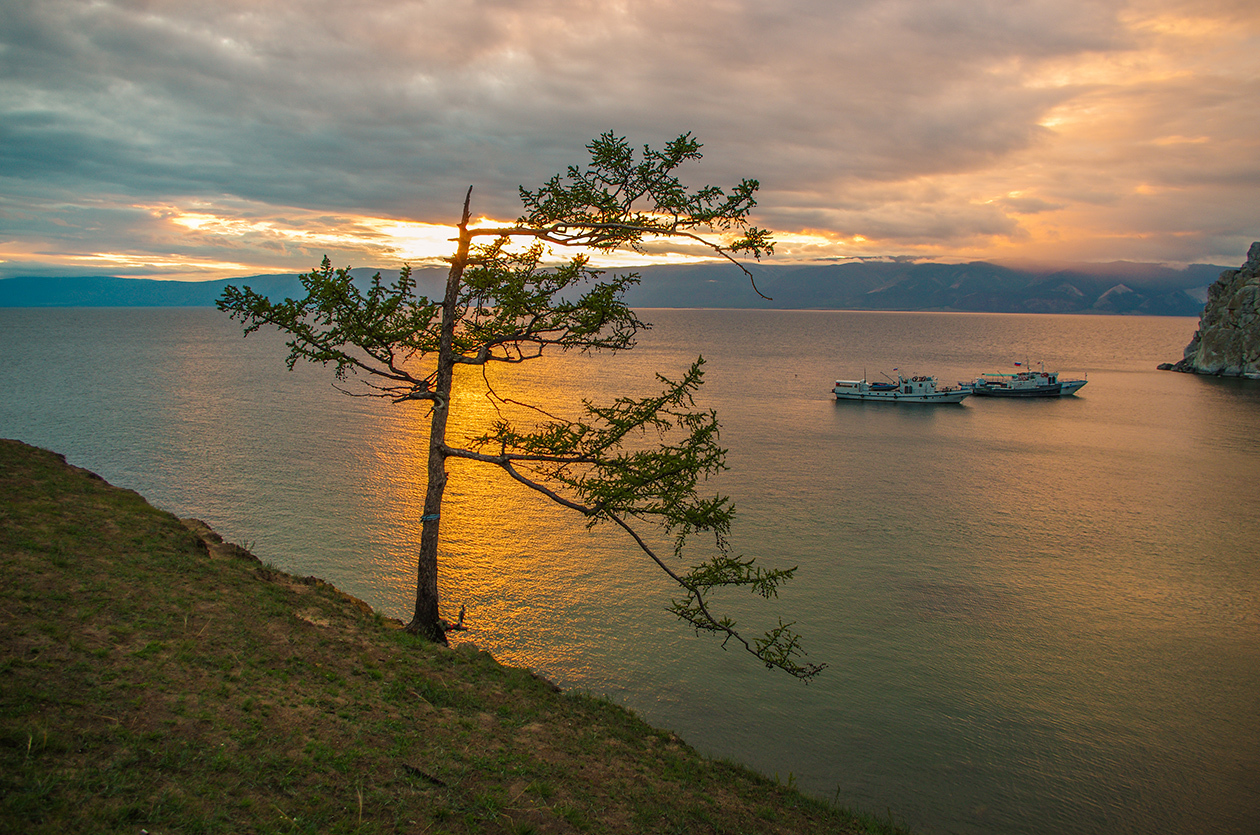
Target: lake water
(1039, 617)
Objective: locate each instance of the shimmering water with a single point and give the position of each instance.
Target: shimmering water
(1040, 617)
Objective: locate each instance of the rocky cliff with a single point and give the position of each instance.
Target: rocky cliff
(1227, 342)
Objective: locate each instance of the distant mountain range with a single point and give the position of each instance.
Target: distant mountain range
(1120, 287)
(1146, 289)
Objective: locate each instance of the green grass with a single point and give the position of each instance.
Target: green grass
(158, 679)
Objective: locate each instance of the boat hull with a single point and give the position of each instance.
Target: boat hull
(898, 397)
(1053, 390)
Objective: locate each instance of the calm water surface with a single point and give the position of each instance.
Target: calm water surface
(1039, 617)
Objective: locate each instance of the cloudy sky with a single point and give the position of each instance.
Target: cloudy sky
(213, 138)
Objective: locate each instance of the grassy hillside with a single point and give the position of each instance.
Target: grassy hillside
(156, 679)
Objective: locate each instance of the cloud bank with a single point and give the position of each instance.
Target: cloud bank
(191, 139)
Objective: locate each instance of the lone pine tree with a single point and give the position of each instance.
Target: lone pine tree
(634, 463)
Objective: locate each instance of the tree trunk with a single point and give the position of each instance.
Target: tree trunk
(427, 621)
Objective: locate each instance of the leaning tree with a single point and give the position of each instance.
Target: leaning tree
(636, 463)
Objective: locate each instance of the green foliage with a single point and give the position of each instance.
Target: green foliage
(634, 461)
(512, 306)
(590, 458)
(618, 201)
(376, 333)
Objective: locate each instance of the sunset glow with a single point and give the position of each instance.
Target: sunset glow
(1092, 131)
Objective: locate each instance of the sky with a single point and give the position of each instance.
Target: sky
(194, 140)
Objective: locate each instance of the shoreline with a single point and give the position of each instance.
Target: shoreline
(160, 678)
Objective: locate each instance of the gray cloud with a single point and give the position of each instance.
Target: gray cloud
(394, 108)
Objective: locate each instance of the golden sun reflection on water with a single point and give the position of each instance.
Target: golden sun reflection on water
(536, 584)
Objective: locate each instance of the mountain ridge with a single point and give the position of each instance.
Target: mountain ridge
(976, 286)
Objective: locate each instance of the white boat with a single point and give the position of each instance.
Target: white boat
(1041, 383)
(905, 390)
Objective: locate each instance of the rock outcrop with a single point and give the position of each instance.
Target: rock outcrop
(1227, 342)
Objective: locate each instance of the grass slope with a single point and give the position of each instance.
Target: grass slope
(156, 679)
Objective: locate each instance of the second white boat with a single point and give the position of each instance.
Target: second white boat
(1026, 383)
